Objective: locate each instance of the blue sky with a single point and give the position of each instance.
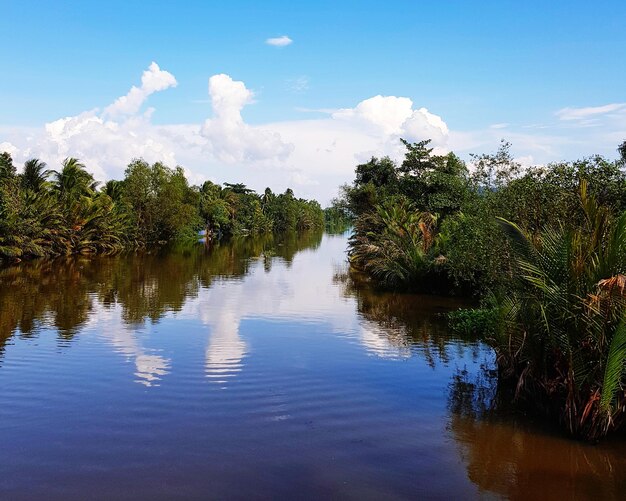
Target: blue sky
(477, 65)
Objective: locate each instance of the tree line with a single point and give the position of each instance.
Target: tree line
(544, 250)
(46, 212)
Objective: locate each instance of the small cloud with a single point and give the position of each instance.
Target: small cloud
(589, 111)
(299, 84)
(499, 126)
(281, 41)
(536, 126)
(395, 116)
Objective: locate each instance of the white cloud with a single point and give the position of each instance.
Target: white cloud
(281, 41)
(385, 112)
(9, 148)
(589, 111)
(154, 79)
(425, 125)
(299, 84)
(395, 116)
(228, 137)
(105, 141)
(313, 155)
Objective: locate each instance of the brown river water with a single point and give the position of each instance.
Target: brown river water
(258, 369)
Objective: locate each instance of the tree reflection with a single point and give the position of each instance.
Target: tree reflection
(62, 293)
(399, 322)
(505, 455)
(509, 456)
(56, 293)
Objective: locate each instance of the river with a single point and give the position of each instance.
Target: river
(258, 368)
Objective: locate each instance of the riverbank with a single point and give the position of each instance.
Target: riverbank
(543, 249)
(57, 213)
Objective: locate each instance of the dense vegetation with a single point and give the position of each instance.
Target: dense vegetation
(337, 219)
(545, 250)
(50, 213)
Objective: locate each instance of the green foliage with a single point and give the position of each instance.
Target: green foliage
(375, 181)
(475, 322)
(615, 366)
(237, 210)
(34, 176)
(494, 171)
(73, 181)
(398, 212)
(474, 252)
(437, 183)
(162, 203)
(393, 244)
(564, 339)
(7, 169)
(52, 213)
(337, 217)
(545, 249)
(288, 213)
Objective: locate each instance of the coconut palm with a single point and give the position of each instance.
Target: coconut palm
(34, 177)
(73, 180)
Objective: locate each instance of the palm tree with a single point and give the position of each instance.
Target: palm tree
(114, 189)
(393, 243)
(34, 177)
(565, 337)
(73, 181)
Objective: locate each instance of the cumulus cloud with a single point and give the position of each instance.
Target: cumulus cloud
(228, 137)
(386, 112)
(9, 148)
(154, 79)
(104, 145)
(313, 155)
(395, 116)
(281, 41)
(104, 140)
(326, 150)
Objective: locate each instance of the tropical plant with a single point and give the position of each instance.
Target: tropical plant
(564, 336)
(73, 181)
(392, 244)
(152, 205)
(34, 176)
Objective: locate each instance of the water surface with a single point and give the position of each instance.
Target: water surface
(257, 369)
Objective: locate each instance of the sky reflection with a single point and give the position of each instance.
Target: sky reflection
(298, 280)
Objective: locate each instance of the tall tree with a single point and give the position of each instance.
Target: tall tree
(34, 176)
(7, 169)
(73, 180)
